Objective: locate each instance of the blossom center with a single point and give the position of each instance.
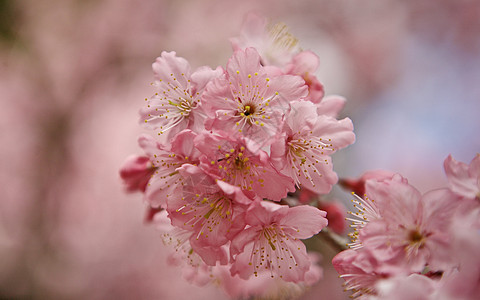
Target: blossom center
(184, 106)
(237, 157)
(297, 146)
(416, 241)
(416, 237)
(248, 110)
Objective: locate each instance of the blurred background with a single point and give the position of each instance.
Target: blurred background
(74, 73)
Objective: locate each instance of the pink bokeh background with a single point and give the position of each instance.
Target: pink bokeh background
(73, 75)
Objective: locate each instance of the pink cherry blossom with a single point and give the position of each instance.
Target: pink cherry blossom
(413, 286)
(278, 47)
(464, 179)
(462, 281)
(264, 286)
(247, 102)
(408, 227)
(274, 42)
(194, 269)
(174, 106)
(331, 105)
(310, 139)
(360, 270)
(208, 208)
(271, 242)
(136, 172)
(305, 64)
(367, 212)
(459, 281)
(230, 160)
(165, 180)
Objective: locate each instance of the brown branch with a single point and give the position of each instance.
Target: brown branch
(336, 241)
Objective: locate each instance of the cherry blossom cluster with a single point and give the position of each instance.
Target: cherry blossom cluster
(412, 246)
(228, 145)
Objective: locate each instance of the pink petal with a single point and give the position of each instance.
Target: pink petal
(397, 201)
(306, 219)
(242, 239)
(169, 66)
(459, 178)
(339, 133)
(303, 62)
(136, 172)
(209, 254)
(331, 105)
(321, 181)
(264, 212)
(243, 63)
(203, 75)
(182, 144)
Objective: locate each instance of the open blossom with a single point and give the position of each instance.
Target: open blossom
(174, 106)
(165, 180)
(229, 159)
(460, 281)
(230, 143)
(194, 268)
(406, 227)
(274, 42)
(360, 271)
(271, 241)
(464, 179)
(207, 207)
(247, 102)
(279, 48)
(304, 152)
(408, 245)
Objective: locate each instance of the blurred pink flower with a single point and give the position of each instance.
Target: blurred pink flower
(412, 228)
(462, 281)
(273, 41)
(360, 271)
(413, 286)
(464, 179)
(264, 285)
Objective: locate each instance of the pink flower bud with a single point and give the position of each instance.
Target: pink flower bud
(136, 173)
